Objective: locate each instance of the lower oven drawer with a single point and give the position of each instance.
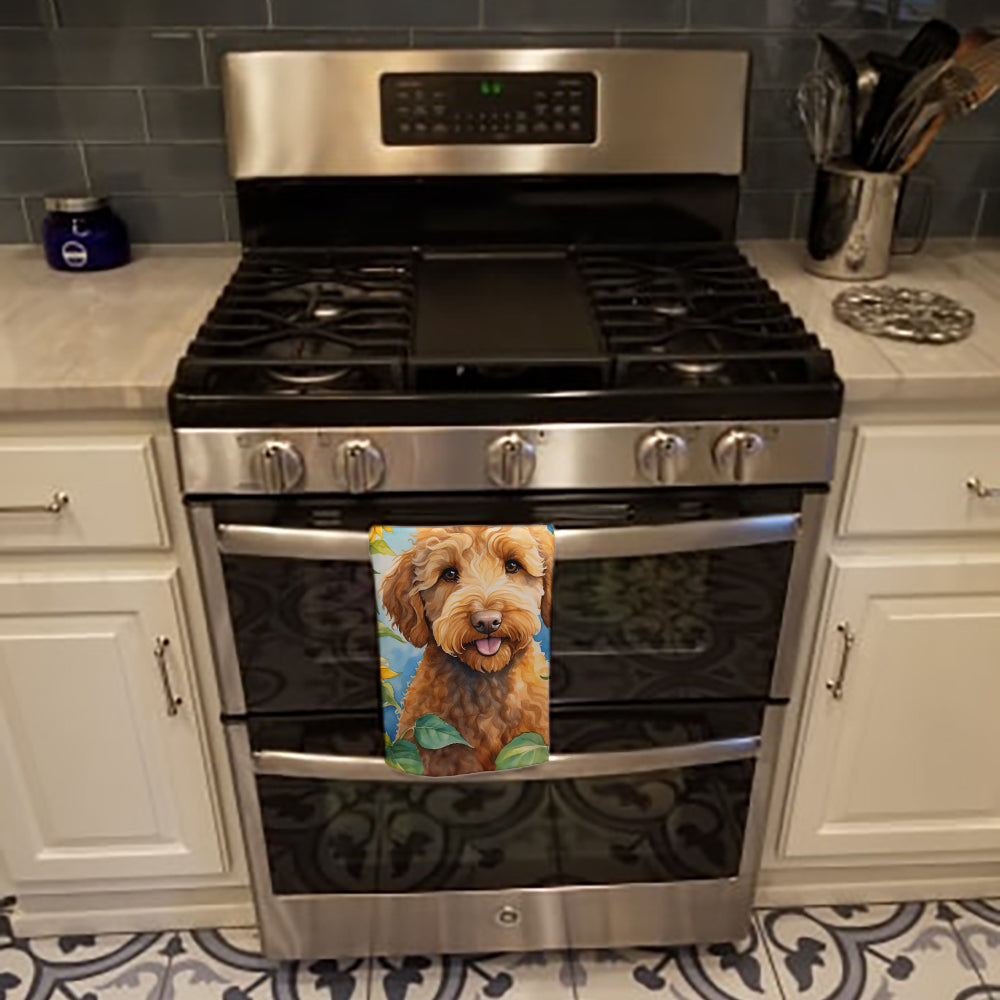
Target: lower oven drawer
(656, 798)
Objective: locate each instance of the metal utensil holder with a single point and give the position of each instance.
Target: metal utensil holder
(853, 220)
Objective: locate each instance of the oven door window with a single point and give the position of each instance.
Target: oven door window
(701, 624)
(343, 836)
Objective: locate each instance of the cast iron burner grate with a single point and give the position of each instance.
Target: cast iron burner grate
(307, 327)
(301, 320)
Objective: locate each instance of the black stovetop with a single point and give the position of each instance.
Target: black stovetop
(350, 336)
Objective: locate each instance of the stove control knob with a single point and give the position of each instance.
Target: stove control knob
(736, 453)
(280, 466)
(661, 457)
(360, 465)
(510, 461)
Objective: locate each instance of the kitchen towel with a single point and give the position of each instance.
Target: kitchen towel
(463, 624)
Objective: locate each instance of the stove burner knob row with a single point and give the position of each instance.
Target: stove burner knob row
(510, 461)
(280, 466)
(360, 465)
(661, 457)
(736, 453)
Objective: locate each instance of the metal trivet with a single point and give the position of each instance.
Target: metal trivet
(904, 314)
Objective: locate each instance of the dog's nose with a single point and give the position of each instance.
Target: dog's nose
(486, 621)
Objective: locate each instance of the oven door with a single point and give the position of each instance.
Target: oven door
(652, 844)
(660, 597)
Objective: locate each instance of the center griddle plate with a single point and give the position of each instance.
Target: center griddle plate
(502, 307)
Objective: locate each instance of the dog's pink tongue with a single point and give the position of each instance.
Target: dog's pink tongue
(488, 646)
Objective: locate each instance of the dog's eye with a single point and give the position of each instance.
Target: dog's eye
(511, 565)
(450, 574)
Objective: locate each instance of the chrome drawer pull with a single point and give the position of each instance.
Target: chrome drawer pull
(332, 767)
(160, 655)
(836, 686)
(571, 543)
(56, 505)
(975, 486)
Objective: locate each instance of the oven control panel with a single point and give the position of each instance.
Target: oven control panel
(450, 109)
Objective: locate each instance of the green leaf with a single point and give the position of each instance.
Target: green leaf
(404, 756)
(377, 547)
(384, 630)
(528, 748)
(389, 697)
(433, 733)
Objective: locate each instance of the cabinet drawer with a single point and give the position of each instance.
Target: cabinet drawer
(913, 480)
(112, 496)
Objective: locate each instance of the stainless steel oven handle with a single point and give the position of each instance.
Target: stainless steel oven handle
(327, 767)
(571, 543)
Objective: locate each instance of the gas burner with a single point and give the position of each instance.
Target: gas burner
(672, 310)
(697, 368)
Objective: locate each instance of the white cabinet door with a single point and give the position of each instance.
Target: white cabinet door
(905, 762)
(97, 780)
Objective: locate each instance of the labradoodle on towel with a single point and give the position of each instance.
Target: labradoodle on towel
(473, 596)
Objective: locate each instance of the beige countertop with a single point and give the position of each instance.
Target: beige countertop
(875, 369)
(108, 340)
(111, 340)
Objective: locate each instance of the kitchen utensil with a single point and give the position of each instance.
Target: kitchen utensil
(935, 41)
(938, 91)
(842, 140)
(822, 105)
(866, 83)
(852, 220)
(912, 314)
(973, 79)
(893, 78)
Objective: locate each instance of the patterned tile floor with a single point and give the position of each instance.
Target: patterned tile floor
(913, 951)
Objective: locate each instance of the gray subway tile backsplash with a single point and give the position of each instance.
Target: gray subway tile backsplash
(61, 113)
(376, 13)
(569, 14)
(98, 57)
(12, 225)
(789, 13)
(487, 38)
(31, 169)
(217, 43)
(158, 13)
(190, 113)
(765, 214)
(780, 164)
(179, 218)
(777, 59)
(133, 86)
(158, 167)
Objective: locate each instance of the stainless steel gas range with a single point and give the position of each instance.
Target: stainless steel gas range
(501, 287)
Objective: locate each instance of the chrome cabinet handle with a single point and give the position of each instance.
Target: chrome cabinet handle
(836, 686)
(975, 486)
(160, 647)
(56, 505)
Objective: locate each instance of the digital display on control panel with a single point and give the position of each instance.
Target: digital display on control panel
(431, 109)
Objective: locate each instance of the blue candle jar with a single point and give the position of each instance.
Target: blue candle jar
(81, 233)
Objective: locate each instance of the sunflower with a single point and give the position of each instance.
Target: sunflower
(377, 531)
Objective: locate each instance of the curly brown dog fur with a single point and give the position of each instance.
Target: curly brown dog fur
(473, 596)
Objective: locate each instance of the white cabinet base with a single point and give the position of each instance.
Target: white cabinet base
(903, 766)
(104, 782)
